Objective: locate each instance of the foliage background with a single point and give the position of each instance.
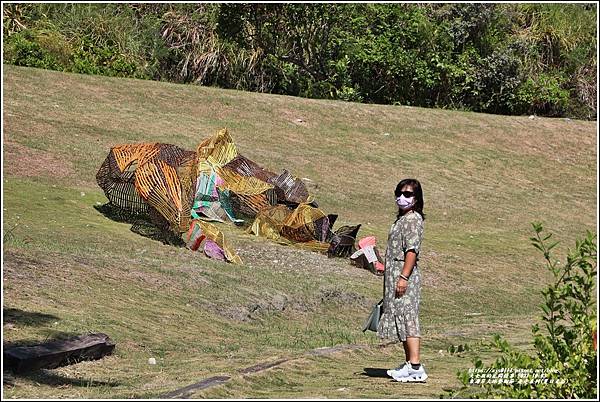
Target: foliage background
(495, 58)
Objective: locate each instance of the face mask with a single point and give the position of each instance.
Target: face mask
(405, 203)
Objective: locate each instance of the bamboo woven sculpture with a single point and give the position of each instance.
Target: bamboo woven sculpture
(342, 242)
(137, 177)
(179, 190)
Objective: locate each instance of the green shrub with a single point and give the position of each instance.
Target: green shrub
(495, 81)
(88, 58)
(542, 95)
(565, 348)
(30, 48)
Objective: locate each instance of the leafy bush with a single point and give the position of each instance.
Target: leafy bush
(542, 95)
(91, 59)
(565, 348)
(495, 58)
(495, 82)
(25, 49)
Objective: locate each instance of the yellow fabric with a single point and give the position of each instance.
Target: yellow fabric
(215, 151)
(299, 226)
(304, 214)
(269, 221)
(213, 233)
(247, 185)
(255, 193)
(280, 224)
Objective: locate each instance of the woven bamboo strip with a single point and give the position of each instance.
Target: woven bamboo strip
(246, 167)
(186, 172)
(127, 153)
(159, 184)
(239, 184)
(173, 186)
(256, 202)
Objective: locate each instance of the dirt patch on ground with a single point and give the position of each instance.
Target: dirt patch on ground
(16, 266)
(280, 258)
(280, 302)
(341, 297)
(22, 161)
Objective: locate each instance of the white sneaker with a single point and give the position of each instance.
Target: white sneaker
(411, 375)
(400, 370)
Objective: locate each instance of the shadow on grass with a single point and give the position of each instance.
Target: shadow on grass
(141, 223)
(375, 372)
(22, 317)
(51, 378)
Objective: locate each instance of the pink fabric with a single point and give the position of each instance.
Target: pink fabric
(367, 241)
(212, 250)
(218, 183)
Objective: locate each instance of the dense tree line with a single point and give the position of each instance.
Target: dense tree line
(496, 58)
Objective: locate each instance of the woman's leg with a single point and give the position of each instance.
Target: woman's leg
(413, 332)
(412, 348)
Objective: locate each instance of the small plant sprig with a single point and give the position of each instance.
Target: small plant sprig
(8, 234)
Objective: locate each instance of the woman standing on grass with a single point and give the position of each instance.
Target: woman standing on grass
(402, 281)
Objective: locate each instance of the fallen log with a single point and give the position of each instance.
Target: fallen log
(57, 353)
(262, 366)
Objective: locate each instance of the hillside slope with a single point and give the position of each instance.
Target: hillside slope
(69, 270)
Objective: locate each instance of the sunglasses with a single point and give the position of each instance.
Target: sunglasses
(407, 194)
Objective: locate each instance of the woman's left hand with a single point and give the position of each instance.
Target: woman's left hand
(401, 286)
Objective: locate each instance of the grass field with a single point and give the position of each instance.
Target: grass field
(68, 269)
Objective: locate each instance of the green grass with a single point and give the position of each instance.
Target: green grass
(70, 270)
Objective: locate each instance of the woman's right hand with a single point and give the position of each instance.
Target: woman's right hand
(401, 286)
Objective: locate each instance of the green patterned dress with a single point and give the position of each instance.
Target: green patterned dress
(400, 318)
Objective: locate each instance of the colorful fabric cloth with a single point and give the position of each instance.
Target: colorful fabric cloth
(400, 318)
(212, 203)
(225, 200)
(215, 151)
(212, 250)
(194, 237)
(201, 230)
(206, 195)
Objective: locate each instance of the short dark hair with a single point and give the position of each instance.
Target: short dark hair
(419, 203)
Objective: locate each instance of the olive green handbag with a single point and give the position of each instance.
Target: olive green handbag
(373, 321)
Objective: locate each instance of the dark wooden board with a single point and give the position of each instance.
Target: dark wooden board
(190, 389)
(57, 353)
